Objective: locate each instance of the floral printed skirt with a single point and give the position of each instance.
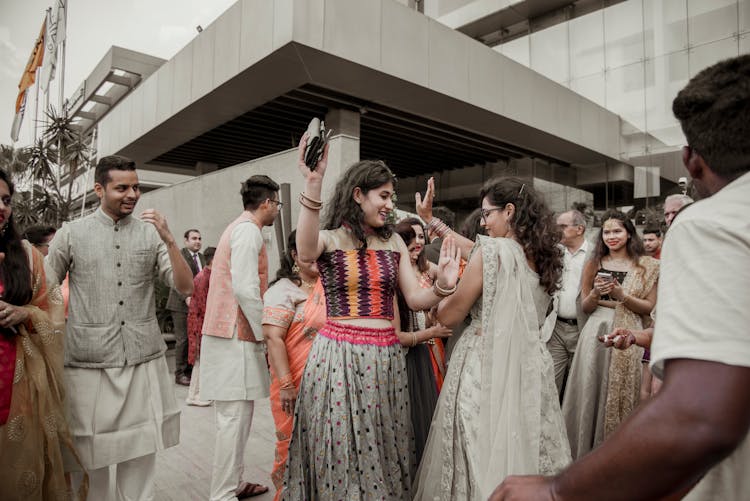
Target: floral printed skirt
(352, 437)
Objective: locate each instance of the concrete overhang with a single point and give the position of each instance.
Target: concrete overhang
(375, 51)
(113, 77)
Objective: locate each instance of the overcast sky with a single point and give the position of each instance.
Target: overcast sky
(157, 27)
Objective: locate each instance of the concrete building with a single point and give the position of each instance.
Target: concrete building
(570, 94)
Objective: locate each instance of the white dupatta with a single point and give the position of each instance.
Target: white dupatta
(510, 413)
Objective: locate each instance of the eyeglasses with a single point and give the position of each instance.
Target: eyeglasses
(278, 203)
(486, 212)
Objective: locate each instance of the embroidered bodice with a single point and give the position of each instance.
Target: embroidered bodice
(359, 283)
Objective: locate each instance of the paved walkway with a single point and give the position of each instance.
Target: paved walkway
(183, 473)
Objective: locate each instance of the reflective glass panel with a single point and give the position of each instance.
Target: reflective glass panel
(587, 44)
(623, 33)
(665, 23)
(549, 52)
(711, 20)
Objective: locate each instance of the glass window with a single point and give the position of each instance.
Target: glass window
(517, 50)
(549, 52)
(665, 25)
(744, 17)
(592, 87)
(745, 44)
(665, 77)
(623, 33)
(705, 55)
(710, 21)
(625, 93)
(587, 45)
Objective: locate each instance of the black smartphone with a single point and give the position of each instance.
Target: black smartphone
(316, 142)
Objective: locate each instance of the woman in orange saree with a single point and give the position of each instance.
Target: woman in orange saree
(294, 309)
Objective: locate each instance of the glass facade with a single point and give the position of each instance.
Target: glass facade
(633, 57)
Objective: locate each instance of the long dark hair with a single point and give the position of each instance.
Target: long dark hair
(14, 270)
(634, 246)
(286, 269)
(405, 229)
(533, 225)
(343, 210)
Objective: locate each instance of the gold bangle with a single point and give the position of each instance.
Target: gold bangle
(286, 382)
(311, 200)
(304, 203)
(413, 338)
(440, 292)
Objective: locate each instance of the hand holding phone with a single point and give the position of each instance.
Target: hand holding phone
(316, 142)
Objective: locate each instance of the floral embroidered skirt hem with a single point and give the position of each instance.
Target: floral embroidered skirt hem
(352, 437)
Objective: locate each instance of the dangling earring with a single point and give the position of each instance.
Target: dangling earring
(295, 269)
(2, 230)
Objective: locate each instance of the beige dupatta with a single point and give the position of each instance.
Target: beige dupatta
(31, 465)
(624, 383)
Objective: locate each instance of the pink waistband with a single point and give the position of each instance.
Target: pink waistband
(356, 334)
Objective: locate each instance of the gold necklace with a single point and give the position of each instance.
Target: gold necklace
(307, 285)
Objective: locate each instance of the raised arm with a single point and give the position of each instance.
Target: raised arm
(181, 274)
(309, 246)
(453, 310)
(417, 297)
(424, 211)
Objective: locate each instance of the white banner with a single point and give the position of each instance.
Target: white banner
(53, 37)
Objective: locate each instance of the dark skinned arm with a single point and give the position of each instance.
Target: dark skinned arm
(701, 414)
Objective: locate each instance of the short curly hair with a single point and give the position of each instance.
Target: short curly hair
(713, 110)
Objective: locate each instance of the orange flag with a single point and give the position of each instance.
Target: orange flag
(27, 80)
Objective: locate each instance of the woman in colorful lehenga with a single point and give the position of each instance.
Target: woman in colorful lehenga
(33, 429)
(618, 289)
(352, 436)
(293, 311)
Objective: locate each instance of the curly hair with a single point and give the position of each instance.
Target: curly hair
(14, 269)
(405, 229)
(533, 225)
(634, 247)
(344, 210)
(713, 111)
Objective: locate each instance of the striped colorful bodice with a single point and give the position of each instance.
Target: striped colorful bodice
(359, 283)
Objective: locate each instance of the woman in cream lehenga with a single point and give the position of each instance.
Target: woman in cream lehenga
(498, 413)
(618, 289)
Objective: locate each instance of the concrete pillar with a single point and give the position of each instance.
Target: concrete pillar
(344, 145)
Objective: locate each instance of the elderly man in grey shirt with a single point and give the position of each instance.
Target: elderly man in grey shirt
(120, 399)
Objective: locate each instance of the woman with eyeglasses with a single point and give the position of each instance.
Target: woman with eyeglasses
(618, 289)
(498, 412)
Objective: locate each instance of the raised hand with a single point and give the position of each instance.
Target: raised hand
(156, 218)
(424, 205)
(320, 169)
(449, 264)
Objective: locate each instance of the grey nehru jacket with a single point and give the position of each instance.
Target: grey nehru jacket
(111, 314)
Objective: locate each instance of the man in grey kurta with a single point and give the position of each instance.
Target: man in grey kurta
(120, 398)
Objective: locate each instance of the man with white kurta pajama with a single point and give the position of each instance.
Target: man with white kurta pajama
(120, 398)
(234, 372)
